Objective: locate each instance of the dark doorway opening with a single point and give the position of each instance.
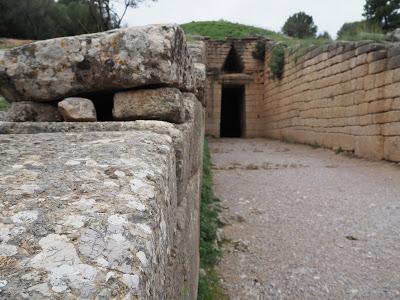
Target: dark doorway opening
(233, 62)
(232, 104)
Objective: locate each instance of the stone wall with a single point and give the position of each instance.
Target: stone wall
(252, 77)
(105, 210)
(342, 96)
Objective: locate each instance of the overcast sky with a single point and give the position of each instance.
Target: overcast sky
(328, 15)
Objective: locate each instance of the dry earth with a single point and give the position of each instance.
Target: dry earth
(305, 223)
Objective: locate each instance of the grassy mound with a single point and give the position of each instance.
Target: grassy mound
(220, 30)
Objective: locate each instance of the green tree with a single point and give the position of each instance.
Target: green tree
(383, 12)
(324, 35)
(300, 25)
(42, 19)
(106, 15)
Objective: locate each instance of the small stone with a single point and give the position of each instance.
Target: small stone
(132, 281)
(8, 250)
(77, 110)
(25, 217)
(142, 257)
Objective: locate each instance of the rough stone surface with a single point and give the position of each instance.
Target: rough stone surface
(200, 74)
(393, 36)
(3, 116)
(118, 59)
(198, 52)
(164, 104)
(104, 223)
(306, 223)
(77, 110)
(33, 112)
(97, 178)
(392, 148)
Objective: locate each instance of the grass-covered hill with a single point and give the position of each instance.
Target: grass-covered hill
(220, 30)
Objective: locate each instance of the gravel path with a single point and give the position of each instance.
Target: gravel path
(304, 223)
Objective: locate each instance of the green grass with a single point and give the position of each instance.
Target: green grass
(209, 288)
(365, 36)
(4, 105)
(220, 30)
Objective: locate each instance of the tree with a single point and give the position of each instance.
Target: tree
(105, 12)
(300, 25)
(383, 12)
(324, 35)
(42, 19)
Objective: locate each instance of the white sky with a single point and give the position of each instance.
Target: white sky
(328, 15)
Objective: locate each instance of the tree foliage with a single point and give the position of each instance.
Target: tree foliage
(383, 12)
(41, 19)
(300, 25)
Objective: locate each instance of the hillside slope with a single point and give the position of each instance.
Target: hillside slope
(220, 30)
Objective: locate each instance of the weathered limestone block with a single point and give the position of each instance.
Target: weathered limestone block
(201, 76)
(393, 36)
(3, 116)
(118, 59)
(104, 227)
(369, 147)
(198, 52)
(163, 104)
(77, 110)
(33, 112)
(392, 148)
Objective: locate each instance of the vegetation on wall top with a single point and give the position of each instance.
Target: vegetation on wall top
(277, 62)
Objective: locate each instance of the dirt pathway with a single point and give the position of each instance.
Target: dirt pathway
(306, 223)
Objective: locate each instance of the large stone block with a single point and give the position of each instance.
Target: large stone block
(163, 104)
(201, 77)
(392, 148)
(114, 60)
(198, 52)
(369, 147)
(33, 112)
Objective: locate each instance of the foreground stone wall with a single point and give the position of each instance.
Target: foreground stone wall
(105, 210)
(345, 95)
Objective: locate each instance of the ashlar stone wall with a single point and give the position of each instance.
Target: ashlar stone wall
(342, 96)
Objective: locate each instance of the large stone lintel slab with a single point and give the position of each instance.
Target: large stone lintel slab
(114, 60)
